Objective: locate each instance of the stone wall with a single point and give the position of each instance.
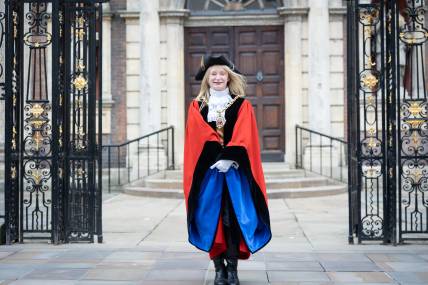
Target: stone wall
(118, 72)
(132, 77)
(156, 99)
(337, 73)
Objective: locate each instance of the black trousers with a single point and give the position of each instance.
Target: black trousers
(232, 232)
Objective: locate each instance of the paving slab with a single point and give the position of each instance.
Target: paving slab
(14, 273)
(350, 266)
(62, 274)
(145, 242)
(42, 282)
(313, 266)
(116, 274)
(410, 277)
(176, 275)
(275, 276)
(105, 282)
(364, 277)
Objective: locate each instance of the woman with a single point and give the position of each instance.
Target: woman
(224, 186)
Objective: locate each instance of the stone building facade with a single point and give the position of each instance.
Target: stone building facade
(149, 53)
(152, 48)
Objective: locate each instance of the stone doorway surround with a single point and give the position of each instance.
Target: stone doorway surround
(290, 16)
(160, 77)
(258, 52)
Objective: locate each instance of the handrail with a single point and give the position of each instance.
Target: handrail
(129, 158)
(321, 134)
(325, 162)
(140, 138)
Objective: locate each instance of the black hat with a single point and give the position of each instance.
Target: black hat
(210, 60)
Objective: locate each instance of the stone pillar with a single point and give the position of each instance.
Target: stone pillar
(106, 71)
(293, 17)
(175, 76)
(319, 66)
(150, 99)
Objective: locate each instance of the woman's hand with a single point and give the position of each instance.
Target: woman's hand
(223, 165)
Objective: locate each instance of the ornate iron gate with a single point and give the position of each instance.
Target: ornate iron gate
(387, 120)
(52, 152)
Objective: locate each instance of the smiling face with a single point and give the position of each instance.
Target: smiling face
(218, 77)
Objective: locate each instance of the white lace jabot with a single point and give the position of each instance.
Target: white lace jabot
(218, 100)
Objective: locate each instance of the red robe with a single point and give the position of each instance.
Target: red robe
(202, 148)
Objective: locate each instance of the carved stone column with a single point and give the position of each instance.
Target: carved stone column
(319, 66)
(175, 96)
(293, 14)
(150, 99)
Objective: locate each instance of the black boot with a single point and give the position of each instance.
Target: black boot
(220, 271)
(232, 271)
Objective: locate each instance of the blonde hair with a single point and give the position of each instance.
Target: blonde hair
(237, 84)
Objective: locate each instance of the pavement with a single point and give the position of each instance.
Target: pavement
(145, 242)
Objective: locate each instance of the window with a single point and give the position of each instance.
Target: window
(237, 6)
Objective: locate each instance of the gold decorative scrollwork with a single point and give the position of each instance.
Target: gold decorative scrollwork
(370, 81)
(80, 146)
(371, 100)
(37, 110)
(80, 33)
(79, 103)
(14, 138)
(15, 25)
(38, 138)
(414, 37)
(417, 174)
(13, 172)
(81, 22)
(369, 16)
(80, 173)
(60, 136)
(37, 176)
(370, 172)
(415, 138)
(37, 123)
(414, 123)
(80, 66)
(80, 82)
(37, 40)
(370, 63)
(415, 109)
(368, 32)
(372, 143)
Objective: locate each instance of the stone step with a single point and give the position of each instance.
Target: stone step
(306, 192)
(159, 181)
(298, 182)
(270, 173)
(281, 182)
(272, 193)
(283, 173)
(275, 166)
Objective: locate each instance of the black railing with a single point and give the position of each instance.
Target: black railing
(321, 154)
(137, 158)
